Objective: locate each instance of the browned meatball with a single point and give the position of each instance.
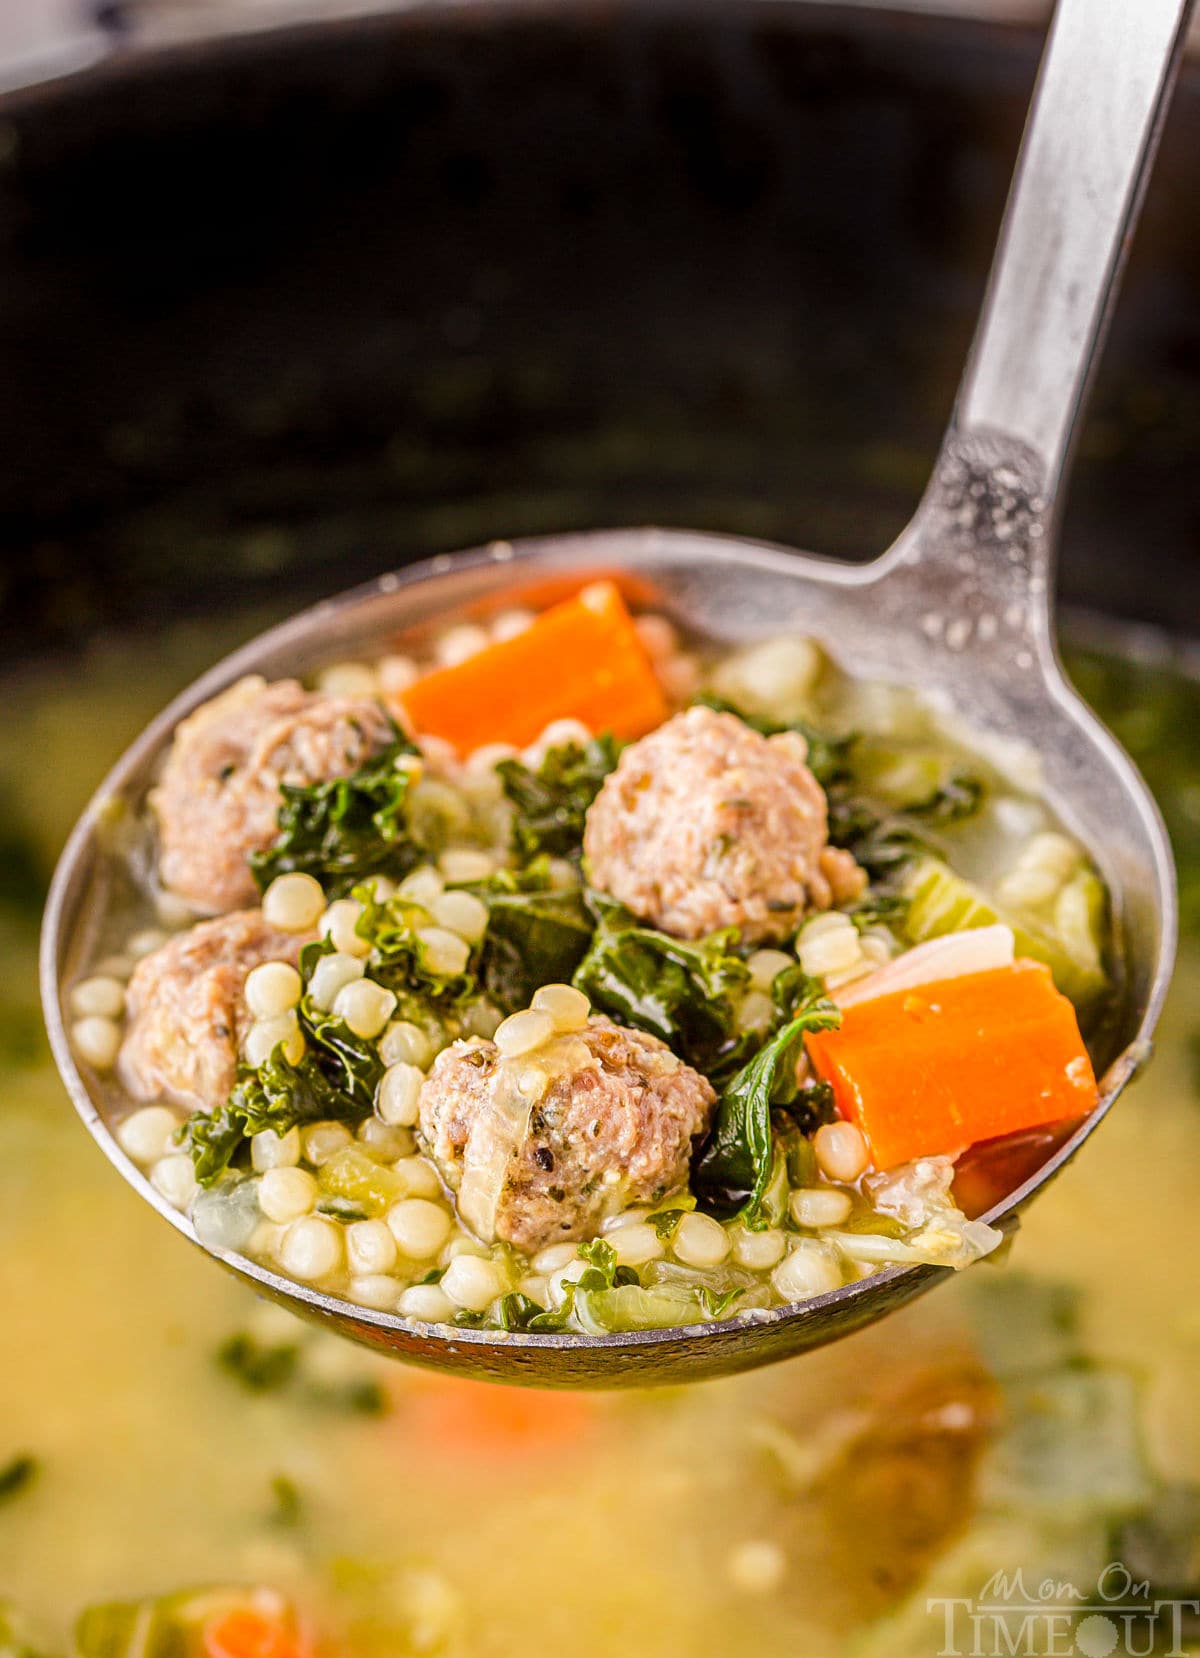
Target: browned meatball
(187, 1014)
(545, 1147)
(218, 798)
(705, 824)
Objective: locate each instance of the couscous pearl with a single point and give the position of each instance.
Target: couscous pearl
(339, 924)
(383, 1141)
(115, 967)
(381, 887)
(471, 1283)
(322, 1141)
(427, 1303)
(487, 757)
(418, 1178)
(396, 673)
(272, 988)
(459, 644)
(699, 1241)
(536, 1288)
(820, 1206)
(659, 637)
(831, 951)
(396, 1100)
(760, 1251)
(98, 998)
(311, 1249)
(841, 1151)
(146, 1134)
(482, 1019)
(680, 676)
(1027, 888)
(461, 913)
(810, 1269)
(348, 679)
(563, 874)
(441, 754)
(175, 1178)
(635, 1245)
(445, 952)
(370, 1247)
(404, 1043)
(562, 733)
(269, 1150)
(507, 624)
(627, 1217)
(462, 1244)
(557, 1281)
(267, 1238)
(522, 1033)
(422, 886)
(173, 911)
(419, 1227)
(757, 1566)
(287, 1193)
(765, 967)
(97, 1041)
(465, 863)
(553, 1258)
(293, 903)
(777, 675)
(265, 1035)
(147, 941)
(755, 1010)
(374, 1290)
(569, 1008)
(331, 976)
(365, 1006)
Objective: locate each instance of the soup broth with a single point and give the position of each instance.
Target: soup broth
(162, 1430)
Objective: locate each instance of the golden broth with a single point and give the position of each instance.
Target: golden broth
(784, 1511)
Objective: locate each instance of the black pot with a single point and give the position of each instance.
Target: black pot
(279, 312)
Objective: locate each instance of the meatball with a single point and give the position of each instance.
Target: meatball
(705, 824)
(187, 1014)
(545, 1147)
(218, 798)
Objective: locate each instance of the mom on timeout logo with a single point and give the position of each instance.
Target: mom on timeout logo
(1119, 1617)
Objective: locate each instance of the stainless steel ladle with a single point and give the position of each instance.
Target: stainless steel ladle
(960, 606)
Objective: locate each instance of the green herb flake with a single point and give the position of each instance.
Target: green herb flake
(262, 1367)
(17, 1475)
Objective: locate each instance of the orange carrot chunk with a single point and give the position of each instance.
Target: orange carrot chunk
(580, 660)
(933, 1070)
(248, 1633)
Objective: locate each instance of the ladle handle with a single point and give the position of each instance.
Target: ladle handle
(1093, 128)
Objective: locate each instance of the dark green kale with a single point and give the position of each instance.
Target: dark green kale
(551, 802)
(735, 1166)
(261, 1367)
(399, 958)
(535, 935)
(812, 1106)
(278, 1096)
(345, 828)
(884, 840)
(829, 757)
(17, 1475)
(685, 993)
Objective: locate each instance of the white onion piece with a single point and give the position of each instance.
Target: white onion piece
(977, 950)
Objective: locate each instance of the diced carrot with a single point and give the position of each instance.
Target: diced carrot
(248, 1633)
(932, 1070)
(480, 1420)
(580, 660)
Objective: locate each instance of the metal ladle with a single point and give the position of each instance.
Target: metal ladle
(960, 606)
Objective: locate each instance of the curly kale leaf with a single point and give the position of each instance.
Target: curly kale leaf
(734, 1168)
(535, 934)
(345, 828)
(883, 840)
(552, 802)
(685, 993)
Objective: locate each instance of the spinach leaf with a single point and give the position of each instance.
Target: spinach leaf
(17, 1475)
(551, 802)
(828, 756)
(532, 938)
(345, 828)
(685, 993)
(734, 1168)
